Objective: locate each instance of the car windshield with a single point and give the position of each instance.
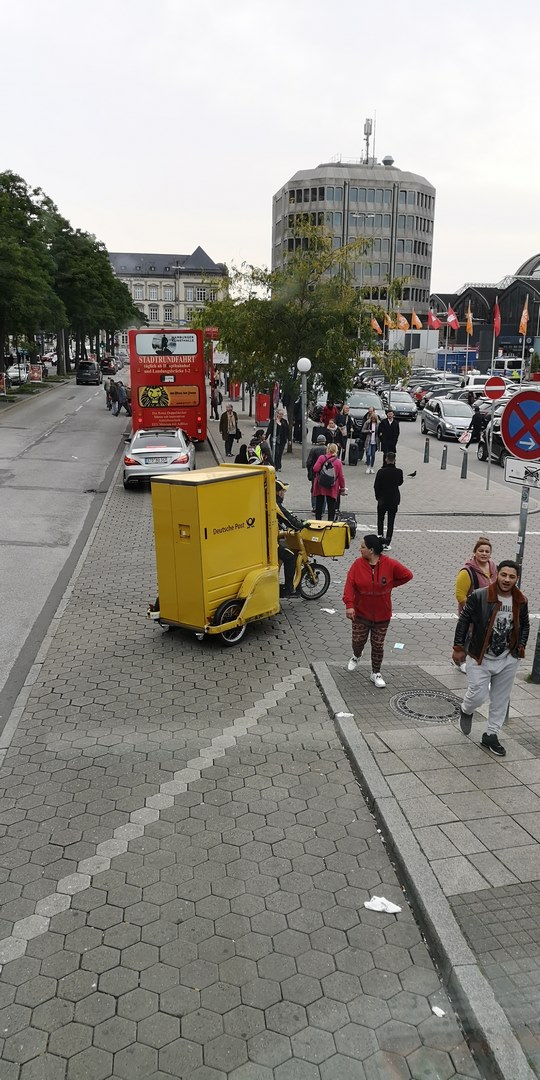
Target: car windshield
(149, 439)
(360, 399)
(456, 408)
(397, 396)
(86, 365)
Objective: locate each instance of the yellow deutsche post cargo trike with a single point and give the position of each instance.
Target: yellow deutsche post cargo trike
(216, 538)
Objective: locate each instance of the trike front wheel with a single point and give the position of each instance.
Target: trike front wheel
(313, 587)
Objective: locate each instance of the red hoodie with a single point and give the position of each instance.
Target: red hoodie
(368, 588)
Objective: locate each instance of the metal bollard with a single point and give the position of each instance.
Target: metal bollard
(426, 451)
(444, 457)
(464, 464)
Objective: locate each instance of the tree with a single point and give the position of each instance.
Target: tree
(393, 364)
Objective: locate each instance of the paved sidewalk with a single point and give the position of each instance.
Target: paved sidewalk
(184, 858)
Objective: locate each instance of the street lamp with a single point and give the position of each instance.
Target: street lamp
(304, 367)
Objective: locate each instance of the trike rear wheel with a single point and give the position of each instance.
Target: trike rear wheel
(313, 588)
(226, 612)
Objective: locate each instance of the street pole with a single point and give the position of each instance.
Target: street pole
(304, 367)
(523, 512)
(490, 444)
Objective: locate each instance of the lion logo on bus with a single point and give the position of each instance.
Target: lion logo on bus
(153, 397)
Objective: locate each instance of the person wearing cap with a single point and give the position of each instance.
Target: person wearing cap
(368, 601)
(315, 453)
(286, 521)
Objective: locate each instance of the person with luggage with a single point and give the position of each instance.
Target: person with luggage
(329, 482)
(317, 451)
(113, 394)
(476, 425)
(386, 487)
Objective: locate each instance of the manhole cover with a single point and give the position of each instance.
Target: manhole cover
(430, 706)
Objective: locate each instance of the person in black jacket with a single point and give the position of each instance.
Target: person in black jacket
(386, 487)
(389, 433)
(286, 521)
(317, 451)
(492, 632)
(277, 434)
(476, 425)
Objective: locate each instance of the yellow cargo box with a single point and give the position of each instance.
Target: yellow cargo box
(216, 547)
(327, 538)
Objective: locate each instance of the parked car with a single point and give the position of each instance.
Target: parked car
(498, 449)
(445, 418)
(422, 389)
(152, 452)
(402, 404)
(359, 401)
(88, 373)
(109, 366)
(18, 373)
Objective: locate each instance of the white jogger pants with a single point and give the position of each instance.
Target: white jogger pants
(493, 678)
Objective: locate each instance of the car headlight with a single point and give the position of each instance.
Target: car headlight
(449, 426)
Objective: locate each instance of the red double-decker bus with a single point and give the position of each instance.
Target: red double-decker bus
(168, 387)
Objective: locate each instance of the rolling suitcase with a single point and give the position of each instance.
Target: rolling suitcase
(353, 452)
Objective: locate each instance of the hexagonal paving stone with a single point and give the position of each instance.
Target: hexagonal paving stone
(244, 1021)
(383, 1065)
(158, 1030)
(369, 1011)
(44, 1067)
(202, 1025)
(269, 1048)
(295, 1069)
(238, 970)
(442, 1033)
(301, 989)
(137, 1004)
(78, 985)
(340, 1067)
(179, 1000)
(410, 1008)
(51, 1015)
(94, 1009)
(136, 1062)
(328, 1015)
(159, 977)
(38, 990)
(14, 1018)
(426, 1062)
(261, 993)
(217, 949)
(251, 1071)
(225, 1052)
(181, 1058)
(314, 1045)
(25, 1045)
(391, 958)
(118, 980)
(397, 1038)
(140, 956)
(90, 1064)
(286, 1018)
(383, 984)
(114, 1034)
(356, 1041)
(70, 1039)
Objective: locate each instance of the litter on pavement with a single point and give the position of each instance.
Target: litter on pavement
(438, 1012)
(380, 903)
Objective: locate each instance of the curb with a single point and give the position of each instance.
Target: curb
(488, 1030)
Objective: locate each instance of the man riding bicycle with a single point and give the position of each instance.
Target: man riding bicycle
(286, 521)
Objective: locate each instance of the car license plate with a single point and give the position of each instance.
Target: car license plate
(154, 460)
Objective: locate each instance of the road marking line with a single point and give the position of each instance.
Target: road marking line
(64, 420)
(78, 409)
(435, 615)
(90, 398)
(60, 899)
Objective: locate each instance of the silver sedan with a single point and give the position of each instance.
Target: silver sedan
(152, 452)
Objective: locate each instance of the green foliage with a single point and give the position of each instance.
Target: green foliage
(393, 364)
(535, 363)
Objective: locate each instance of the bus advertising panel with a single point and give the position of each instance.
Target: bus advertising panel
(168, 386)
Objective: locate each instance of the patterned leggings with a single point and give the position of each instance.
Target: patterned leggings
(361, 630)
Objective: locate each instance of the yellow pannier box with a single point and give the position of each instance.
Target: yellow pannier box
(329, 538)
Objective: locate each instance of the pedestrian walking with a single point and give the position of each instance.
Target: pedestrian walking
(277, 434)
(370, 429)
(107, 388)
(228, 429)
(216, 399)
(368, 601)
(113, 393)
(330, 411)
(317, 451)
(123, 401)
(386, 487)
(477, 573)
(389, 433)
(329, 482)
(492, 632)
(345, 426)
(476, 425)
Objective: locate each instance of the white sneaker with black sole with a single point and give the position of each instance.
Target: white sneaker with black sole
(377, 679)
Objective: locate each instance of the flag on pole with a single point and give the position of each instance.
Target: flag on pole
(389, 322)
(415, 321)
(524, 317)
(375, 325)
(433, 322)
(452, 319)
(469, 322)
(496, 318)
(401, 321)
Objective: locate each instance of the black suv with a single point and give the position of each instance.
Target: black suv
(89, 373)
(498, 449)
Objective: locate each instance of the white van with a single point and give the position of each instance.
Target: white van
(475, 382)
(506, 366)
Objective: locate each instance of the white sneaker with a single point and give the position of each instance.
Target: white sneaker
(463, 668)
(367, 470)
(377, 679)
(353, 663)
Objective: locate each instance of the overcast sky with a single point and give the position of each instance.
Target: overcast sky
(159, 125)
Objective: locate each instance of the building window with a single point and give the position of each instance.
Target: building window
(353, 194)
(328, 218)
(411, 198)
(138, 292)
(361, 194)
(124, 337)
(399, 247)
(290, 244)
(379, 196)
(408, 247)
(338, 220)
(402, 198)
(168, 292)
(306, 194)
(189, 314)
(152, 292)
(376, 245)
(406, 269)
(378, 221)
(386, 221)
(321, 194)
(384, 268)
(188, 293)
(385, 245)
(167, 314)
(339, 194)
(153, 313)
(292, 197)
(336, 241)
(314, 194)
(410, 221)
(212, 294)
(329, 194)
(399, 270)
(371, 195)
(401, 221)
(200, 293)
(299, 195)
(387, 196)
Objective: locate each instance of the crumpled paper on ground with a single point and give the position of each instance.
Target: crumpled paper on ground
(380, 903)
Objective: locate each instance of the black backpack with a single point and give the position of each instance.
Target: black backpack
(327, 474)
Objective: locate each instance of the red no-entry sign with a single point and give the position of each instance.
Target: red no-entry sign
(495, 388)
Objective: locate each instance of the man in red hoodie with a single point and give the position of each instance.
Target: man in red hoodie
(368, 601)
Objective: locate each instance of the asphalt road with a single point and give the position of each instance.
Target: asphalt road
(410, 435)
(57, 453)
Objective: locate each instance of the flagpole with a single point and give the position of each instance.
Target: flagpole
(523, 343)
(467, 355)
(446, 350)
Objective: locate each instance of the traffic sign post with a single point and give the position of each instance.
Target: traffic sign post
(520, 433)
(494, 389)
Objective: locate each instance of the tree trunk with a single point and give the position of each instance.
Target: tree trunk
(60, 356)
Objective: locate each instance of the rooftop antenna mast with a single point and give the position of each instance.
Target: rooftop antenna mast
(368, 128)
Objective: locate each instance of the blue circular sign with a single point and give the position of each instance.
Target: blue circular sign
(520, 425)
